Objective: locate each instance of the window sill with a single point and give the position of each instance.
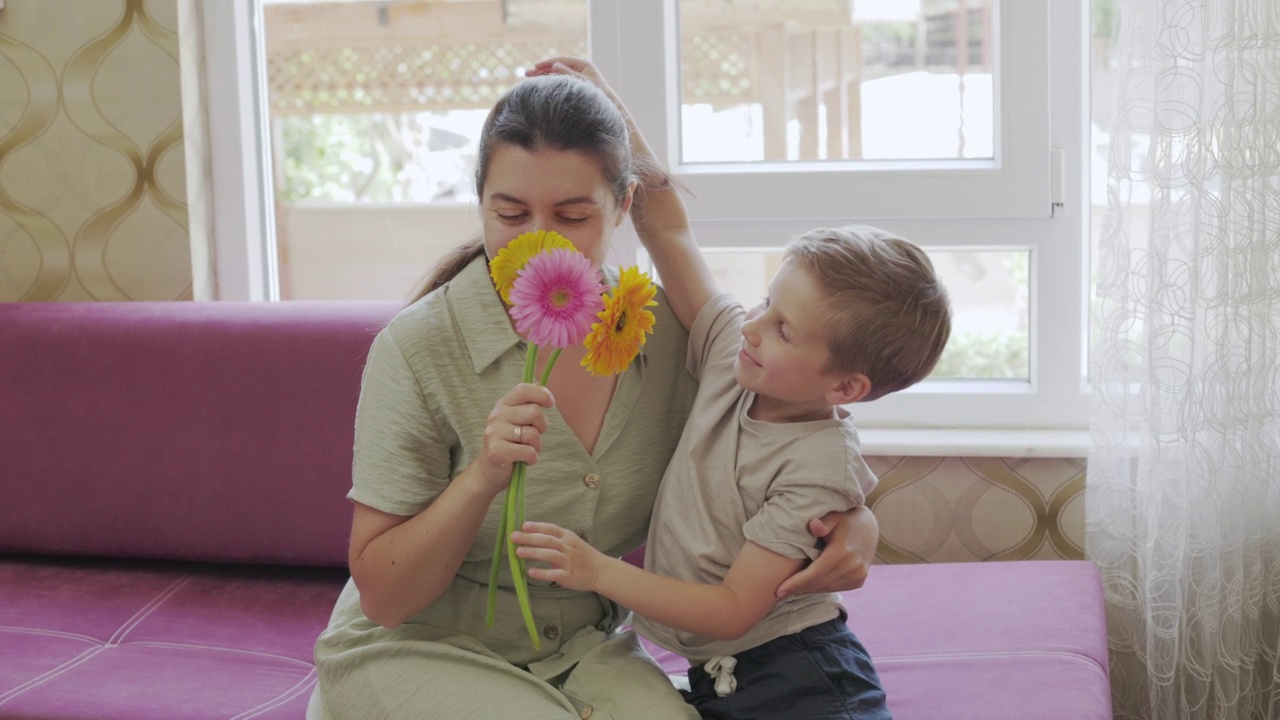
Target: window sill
(975, 442)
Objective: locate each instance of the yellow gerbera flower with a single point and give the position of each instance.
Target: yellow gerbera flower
(615, 341)
(504, 268)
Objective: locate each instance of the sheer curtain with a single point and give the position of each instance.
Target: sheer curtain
(1183, 502)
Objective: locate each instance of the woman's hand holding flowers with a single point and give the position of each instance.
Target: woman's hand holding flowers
(522, 407)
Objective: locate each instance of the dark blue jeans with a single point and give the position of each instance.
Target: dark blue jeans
(819, 673)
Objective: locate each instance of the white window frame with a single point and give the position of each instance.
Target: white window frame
(1032, 195)
(1015, 183)
(243, 244)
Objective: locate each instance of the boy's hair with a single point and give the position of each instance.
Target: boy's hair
(888, 316)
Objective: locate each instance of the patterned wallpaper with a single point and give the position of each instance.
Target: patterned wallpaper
(92, 175)
(936, 509)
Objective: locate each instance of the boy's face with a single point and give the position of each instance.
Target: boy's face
(784, 351)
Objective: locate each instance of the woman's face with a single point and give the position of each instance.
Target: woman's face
(558, 190)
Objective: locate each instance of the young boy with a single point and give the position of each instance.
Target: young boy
(853, 314)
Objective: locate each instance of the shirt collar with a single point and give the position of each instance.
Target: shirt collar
(480, 315)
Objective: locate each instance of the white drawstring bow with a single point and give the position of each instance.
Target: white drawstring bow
(720, 668)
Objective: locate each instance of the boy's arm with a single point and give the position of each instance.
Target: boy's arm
(849, 541)
(657, 210)
(663, 226)
(725, 612)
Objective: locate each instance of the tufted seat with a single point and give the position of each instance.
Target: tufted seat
(141, 640)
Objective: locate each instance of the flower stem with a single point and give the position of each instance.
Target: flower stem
(514, 513)
(551, 362)
(522, 473)
(491, 605)
(517, 575)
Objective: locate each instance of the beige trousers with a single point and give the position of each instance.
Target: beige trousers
(404, 680)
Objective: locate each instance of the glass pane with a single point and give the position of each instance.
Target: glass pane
(989, 294)
(375, 110)
(836, 80)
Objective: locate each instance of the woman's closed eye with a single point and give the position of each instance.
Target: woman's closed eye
(520, 217)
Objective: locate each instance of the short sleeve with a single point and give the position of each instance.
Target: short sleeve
(401, 455)
(797, 496)
(715, 337)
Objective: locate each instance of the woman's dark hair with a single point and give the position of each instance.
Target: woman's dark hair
(549, 112)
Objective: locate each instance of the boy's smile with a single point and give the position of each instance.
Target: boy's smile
(784, 355)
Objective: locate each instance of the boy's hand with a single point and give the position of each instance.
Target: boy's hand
(573, 562)
(578, 67)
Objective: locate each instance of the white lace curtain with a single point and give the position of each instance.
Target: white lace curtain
(1183, 503)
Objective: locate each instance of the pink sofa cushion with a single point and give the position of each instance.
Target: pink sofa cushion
(194, 431)
(88, 639)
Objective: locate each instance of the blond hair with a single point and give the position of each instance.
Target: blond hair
(888, 316)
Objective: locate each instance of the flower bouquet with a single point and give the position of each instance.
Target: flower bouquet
(557, 300)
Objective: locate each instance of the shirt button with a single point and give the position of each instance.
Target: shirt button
(585, 712)
(592, 480)
(550, 632)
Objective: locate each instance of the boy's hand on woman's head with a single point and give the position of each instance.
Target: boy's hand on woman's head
(567, 65)
(575, 67)
(849, 545)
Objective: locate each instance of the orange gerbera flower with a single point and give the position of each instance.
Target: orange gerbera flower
(506, 266)
(615, 341)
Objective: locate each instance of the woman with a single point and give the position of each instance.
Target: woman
(432, 452)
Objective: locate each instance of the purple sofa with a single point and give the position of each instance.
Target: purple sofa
(173, 529)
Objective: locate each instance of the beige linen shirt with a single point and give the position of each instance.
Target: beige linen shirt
(734, 479)
(432, 377)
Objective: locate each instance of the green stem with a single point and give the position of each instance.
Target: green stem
(512, 519)
(491, 605)
(524, 471)
(514, 513)
(519, 481)
(530, 361)
(551, 362)
(522, 588)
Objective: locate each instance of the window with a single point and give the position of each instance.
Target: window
(375, 110)
(781, 116)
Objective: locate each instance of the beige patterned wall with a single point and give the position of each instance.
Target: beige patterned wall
(92, 175)
(936, 509)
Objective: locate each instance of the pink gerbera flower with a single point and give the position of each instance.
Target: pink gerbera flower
(556, 297)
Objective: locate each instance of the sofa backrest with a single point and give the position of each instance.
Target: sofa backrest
(217, 431)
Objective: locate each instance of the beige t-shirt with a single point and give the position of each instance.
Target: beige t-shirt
(734, 479)
(432, 377)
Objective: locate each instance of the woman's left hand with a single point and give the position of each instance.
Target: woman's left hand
(851, 539)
